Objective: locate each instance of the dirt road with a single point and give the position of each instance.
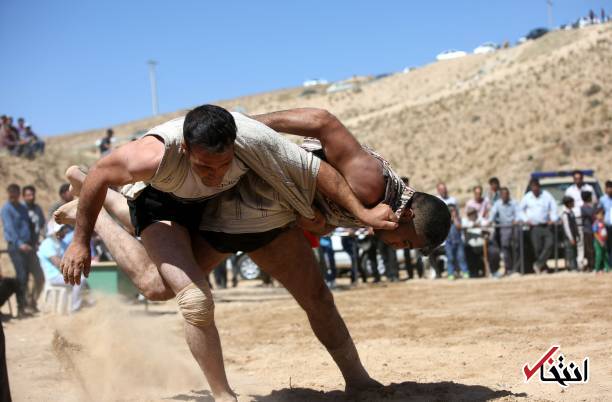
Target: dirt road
(431, 340)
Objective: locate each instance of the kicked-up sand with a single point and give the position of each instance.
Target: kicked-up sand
(425, 340)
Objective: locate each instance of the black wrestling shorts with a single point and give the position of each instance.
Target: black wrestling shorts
(153, 205)
(245, 242)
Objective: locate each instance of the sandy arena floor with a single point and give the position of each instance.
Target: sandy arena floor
(426, 340)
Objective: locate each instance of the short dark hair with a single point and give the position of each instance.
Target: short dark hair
(567, 200)
(608, 183)
(477, 186)
(13, 188)
(494, 180)
(586, 196)
(432, 219)
(28, 188)
(210, 127)
(505, 189)
(575, 172)
(534, 181)
(64, 188)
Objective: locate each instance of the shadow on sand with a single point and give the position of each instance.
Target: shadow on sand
(405, 391)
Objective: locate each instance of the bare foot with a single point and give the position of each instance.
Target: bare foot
(66, 214)
(76, 176)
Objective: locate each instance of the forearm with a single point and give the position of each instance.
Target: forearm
(91, 200)
(331, 184)
(307, 122)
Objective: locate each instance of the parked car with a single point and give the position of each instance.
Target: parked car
(249, 270)
(536, 33)
(341, 86)
(487, 47)
(450, 54)
(315, 82)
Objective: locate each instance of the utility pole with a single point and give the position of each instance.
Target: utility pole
(550, 14)
(153, 79)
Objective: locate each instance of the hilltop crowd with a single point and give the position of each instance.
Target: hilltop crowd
(19, 140)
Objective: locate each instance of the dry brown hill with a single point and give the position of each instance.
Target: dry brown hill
(546, 104)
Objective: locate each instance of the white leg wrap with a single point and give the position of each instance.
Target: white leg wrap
(196, 304)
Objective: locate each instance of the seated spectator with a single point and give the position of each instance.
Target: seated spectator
(50, 255)
(454, 246)
(8, 137)
(570, 231)
(106, 143)
(32, 143)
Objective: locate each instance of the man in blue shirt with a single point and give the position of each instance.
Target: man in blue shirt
(606, 203)
(505, 213)
(16, 225)
(539, 210)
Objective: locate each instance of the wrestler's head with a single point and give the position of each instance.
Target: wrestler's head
(209, 132)
(424, 224)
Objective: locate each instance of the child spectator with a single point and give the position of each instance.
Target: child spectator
(570, 230)
(599, 244)
(586, 212)
(455, 250)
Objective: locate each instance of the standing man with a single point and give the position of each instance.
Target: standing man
(37, 231)
(65, 196)
(606, 204)
(479, 203)
(505, 213)
(16, 225)
(443, 194)
(575, 191)
(494, 193)
(538, 209)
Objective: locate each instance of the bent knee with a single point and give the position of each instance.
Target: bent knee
(196, 305)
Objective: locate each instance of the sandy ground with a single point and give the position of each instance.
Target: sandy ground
(424, 339)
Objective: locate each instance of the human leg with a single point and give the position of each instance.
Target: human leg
(599, 256)
(305, 283)
(170, 247)
(449, 248)
(34, 268)
(21, 274)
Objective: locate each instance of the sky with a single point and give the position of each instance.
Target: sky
(72, 65)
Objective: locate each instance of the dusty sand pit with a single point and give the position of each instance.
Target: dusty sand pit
(431, 340)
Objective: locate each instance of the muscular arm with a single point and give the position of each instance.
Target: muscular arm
(331, 184)
(361, 170)
(132, 162)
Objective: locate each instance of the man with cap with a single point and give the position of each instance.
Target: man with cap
(50, 255)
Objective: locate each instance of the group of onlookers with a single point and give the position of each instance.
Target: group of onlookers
(35, 244)
(493, 225)
(19, 140)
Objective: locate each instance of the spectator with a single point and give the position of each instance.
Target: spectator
(220, 274)
(372, 255)
(349, 244)
(480, 204)
(327, 251)
(21, 127)
(576, 189)
(606, 204)
(16, 225)
(37, 218)
(505, 213)
(65, 196)
(586, 212)
(407, 260)
(32, 142)
(443, 194)
(106, 143)
(8, 138)
(538, 209)
(389, 258)
(494, 193)
(50, 255)
(455, 252)
(600, 234)
(476, 237)
(570, 230)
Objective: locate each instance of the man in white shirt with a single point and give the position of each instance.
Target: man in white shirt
(538, 209)
(443, 194)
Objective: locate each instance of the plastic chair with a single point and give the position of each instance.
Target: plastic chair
(58, 297)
